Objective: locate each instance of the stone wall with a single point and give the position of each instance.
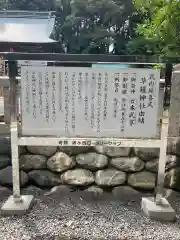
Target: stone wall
(82, 167)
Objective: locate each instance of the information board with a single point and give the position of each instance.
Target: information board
(89, 102)
(29, 63)
(4, 65)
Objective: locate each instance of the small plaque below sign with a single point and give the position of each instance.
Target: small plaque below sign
(90, 143)
(89, 102)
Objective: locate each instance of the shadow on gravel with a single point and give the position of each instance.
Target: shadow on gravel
(68, 213)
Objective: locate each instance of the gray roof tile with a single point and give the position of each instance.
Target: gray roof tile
(26, 29)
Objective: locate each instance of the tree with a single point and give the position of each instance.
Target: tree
(161, 25)
(93, 26)
(3, 4)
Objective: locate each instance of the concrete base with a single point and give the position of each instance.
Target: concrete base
(163, 212)
(11, 208)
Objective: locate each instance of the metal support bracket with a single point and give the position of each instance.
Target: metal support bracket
(162, 159)
(16, 204)
(158, 208)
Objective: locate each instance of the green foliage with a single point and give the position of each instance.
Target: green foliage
(161, 25)
(93, 26)
(3, 4)
(140, 45)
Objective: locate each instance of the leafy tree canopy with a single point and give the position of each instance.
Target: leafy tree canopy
(93, 26)
(161, 25)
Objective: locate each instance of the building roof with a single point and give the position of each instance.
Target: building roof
(26, 26)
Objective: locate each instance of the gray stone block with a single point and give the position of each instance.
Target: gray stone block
(78, 177)
(92, 160)
(113, 151)
(163, 212)
(12, 208)
(143, 180)
(47, 151)
(60, 162)
(6, 177)
(110, 177)
(45, 178)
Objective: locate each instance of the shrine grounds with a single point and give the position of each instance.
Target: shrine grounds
(80, 216)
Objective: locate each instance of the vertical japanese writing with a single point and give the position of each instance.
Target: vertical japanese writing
(124, 101)
(125, 83)
(133, 84)
(60, 91)
(53, 96)
(34, 94)
(142, 99)
(105, 95)
(99, 101)
(123, 114)
(115, 107)
(47, 95)
(80, 86)
(132, 114)
(116, 82)
(27, 90)
(86, 97)
(93, 92)
(116, 90)
(94, 101)
(73, 102)
(40, 93)
(151, 90)
(66, 90)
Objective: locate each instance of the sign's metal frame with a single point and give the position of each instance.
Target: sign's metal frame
(17, 140)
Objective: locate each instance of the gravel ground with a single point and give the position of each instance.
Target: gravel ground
(84, 216)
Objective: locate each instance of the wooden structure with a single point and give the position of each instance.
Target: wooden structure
(24, 31)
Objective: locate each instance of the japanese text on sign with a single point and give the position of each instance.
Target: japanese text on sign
(84, 142)
(91, 102)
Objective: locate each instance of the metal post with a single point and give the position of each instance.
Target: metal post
(16, 204)
(174, 111)
(158, 208)
(14, 131)
(164, 134)
(7, 115)
(162, 159)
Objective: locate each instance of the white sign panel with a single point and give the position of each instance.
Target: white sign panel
(4, 65)
(89, 102)
(29, 63)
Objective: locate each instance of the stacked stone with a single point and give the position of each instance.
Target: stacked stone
(98, 167)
